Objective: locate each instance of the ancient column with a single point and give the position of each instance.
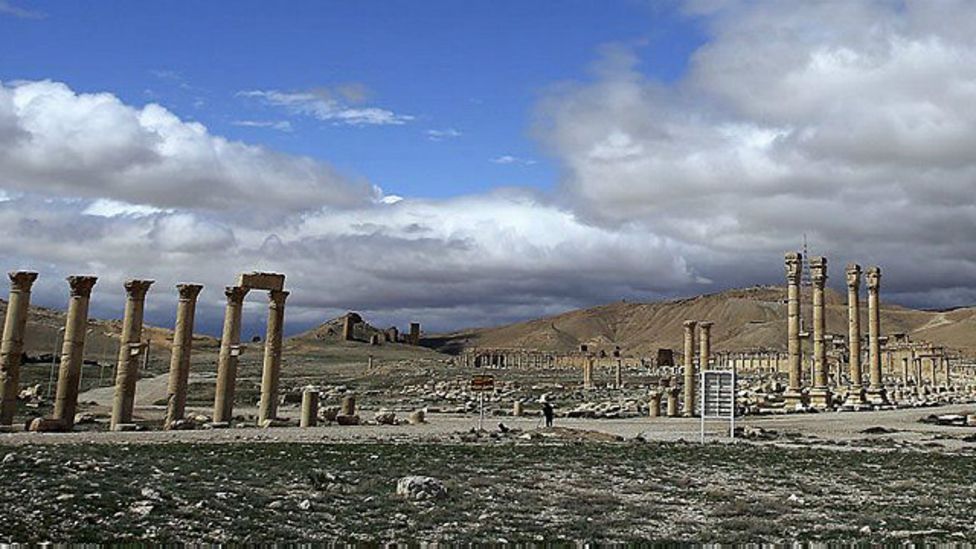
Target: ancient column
(72, 350)
(904, 371)
(855, 395)
(179, 364)
(654, 406)
(12, 347)
(230, 350)
(588, 373)
(347, 328)
(689, 370)
(819, 393)
(948, 372)
(268, 408)
(618, 377)
(876, 391)
(415, 333)
(130, 350)
(793, 396)
(673, 402)
(310, 407)
(348, 405)
(705, 344)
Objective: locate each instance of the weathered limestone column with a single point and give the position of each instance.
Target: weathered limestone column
(618, 375)
(268, 408)
(876, 391)
(310, 407)
(820, 393)
(673, 402)
(347, 327)
(230, 350)
(348, 405)
(948, 371)
(587, 373)
(793, 396)
(517, 410)
(654, 405)
(689, 370)
(705, 344)
(12, 347)
(130, 347)
(855, 395)
(179, 364)
(415, 333)
(72, 350)
(904, 371)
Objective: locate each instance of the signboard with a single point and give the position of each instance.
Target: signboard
(483, 383)
(717, 391)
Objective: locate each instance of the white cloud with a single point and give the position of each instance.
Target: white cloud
(848, 121)
(325, 107)
(509, 159)
(280, 125)
(6, 8)
(92, 145)
(441, 135)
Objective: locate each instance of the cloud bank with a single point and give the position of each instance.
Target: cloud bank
(848, 122)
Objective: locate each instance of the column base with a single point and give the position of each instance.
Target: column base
(855, 398)
(48, 425)
(820, 398)
(123, 427)
(877, 396)
(794, 401)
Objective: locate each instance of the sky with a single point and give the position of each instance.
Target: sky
(474, 163)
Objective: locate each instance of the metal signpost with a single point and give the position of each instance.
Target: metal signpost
(482, 384)
(718, 398)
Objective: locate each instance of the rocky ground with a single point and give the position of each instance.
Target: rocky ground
(870, 476)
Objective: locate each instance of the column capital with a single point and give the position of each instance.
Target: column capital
(235, 294)
(277, 297)
(705, 324)
(853, 272)
(81, 285)
(818, 271)
(189, 292)
(689, 324)
(794, 264)
(137, 288)
(21, 281)
(873, 278)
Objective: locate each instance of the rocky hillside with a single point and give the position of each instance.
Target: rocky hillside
(745, 319)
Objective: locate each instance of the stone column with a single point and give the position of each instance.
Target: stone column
(517, 408)
(705, 344)
(904, 371)
(72, 350)
(855, 395)
(820, 393)
(689, 370)
(654, 405)
(130, 350)
(587, 373)
(268, 408)
(179, 364)
(876, 391)
(618, 377)
(793, 396)
(415, 333)
(347, 326)
(948, 371)
(12, 347)
(673, 402)
(348, 405)
(230, 350)
(310, 407)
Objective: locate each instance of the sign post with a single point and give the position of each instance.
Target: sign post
(718, 389)
(481, 384)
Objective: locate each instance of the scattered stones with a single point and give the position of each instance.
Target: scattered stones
(385, 417)
(417, 417)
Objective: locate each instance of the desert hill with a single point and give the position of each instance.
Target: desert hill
(745, 319)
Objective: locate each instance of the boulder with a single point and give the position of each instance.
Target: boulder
(417, 417)
(347, 420)
(385, 417)
(421, 488)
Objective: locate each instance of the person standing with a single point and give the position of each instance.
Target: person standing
(547, 411)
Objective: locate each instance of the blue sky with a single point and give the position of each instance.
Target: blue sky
(547, 155)
(471, 68)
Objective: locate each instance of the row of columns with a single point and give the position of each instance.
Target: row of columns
(704, 358)
(131, 348)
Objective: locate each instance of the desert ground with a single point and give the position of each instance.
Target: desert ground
(605, 473)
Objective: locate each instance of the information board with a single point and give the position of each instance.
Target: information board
(717, 392)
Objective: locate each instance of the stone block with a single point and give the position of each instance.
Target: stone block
(261, 281)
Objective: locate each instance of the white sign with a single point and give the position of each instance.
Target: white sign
(717, 391)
